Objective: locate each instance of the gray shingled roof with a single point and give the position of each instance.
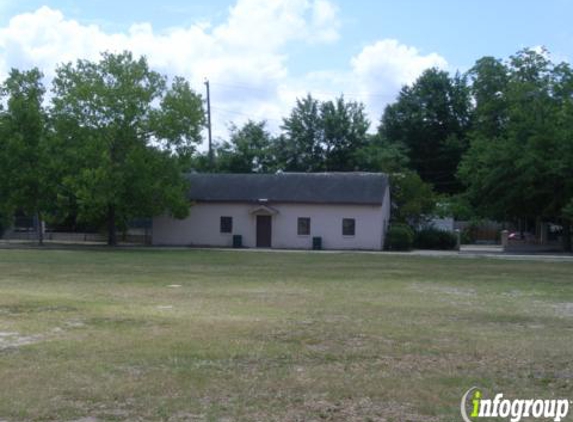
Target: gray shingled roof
(310, 188)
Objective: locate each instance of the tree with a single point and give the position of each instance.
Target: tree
(322, 136)
(563, 155)
(299, 147)
(248, 151)
(430, 119)
(413, 200)
(523, 168)
(345, 128)
(123, 137)
(25, 181)
(489, 79)
(379, 155)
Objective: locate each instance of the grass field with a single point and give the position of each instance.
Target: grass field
(228, 336)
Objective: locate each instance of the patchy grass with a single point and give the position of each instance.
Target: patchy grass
(227, 336)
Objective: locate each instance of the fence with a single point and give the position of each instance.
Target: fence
(487, 232)
(137, 236)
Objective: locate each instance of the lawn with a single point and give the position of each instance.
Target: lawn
(191, 335)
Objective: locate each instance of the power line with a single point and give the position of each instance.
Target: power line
(224, 110)
(326, 93)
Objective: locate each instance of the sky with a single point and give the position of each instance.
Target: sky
(261, 55)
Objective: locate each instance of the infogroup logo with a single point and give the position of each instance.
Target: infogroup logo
(475, 406)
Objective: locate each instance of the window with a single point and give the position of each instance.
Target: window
(348, 226)
(303, 226)
(226, 224)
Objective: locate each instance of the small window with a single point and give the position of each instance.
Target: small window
(348, 226)
(303, 227)
(226, 224)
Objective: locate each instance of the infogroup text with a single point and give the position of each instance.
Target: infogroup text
(514, 409)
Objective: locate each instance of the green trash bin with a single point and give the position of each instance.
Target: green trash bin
(317, 243)
(237, 241)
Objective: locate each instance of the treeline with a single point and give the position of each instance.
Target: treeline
(115, 140)
(112, 144)
(495, 142)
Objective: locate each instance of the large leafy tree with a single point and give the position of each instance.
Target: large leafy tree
(123, 135)
(522, 168)
(413, 200)
(430, 119)
(489, 79)
(345, 126)
(322, 136)
(25, 180)
(299, 148)
(562, 163)
(249, 150)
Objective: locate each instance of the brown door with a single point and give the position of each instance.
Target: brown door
(264, 231)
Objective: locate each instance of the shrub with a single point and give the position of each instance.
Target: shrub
(400, 237)
(468, 237)
(432, 238)
(470, 233)
(3, 225)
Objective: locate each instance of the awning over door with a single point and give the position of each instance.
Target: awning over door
(263, 210)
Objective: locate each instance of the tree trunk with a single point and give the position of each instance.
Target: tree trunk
(567, 247)
(40, 229)
(111, 229)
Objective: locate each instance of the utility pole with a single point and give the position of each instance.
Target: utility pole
(209, 124)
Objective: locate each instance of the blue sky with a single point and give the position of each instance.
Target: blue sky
(262, 54)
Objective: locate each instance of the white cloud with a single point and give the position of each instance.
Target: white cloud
(246, 57)
(325, 21)
(394, 62)
(388, 65)
(374, 77)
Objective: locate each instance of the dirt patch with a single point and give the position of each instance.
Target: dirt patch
(448, 290)
(188, 417)
(349, 410)
(13, 339)
(75, 324)
(564, 309)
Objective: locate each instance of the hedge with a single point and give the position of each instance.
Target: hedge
(432, 238)
(400, 237)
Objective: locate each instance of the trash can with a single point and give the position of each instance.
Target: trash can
(317, 243)
(237, 241)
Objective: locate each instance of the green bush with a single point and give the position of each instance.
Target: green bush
(468, 237)
(432, 238)
(470, 233)
(400, 237)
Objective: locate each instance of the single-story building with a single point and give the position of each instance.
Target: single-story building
(283, 210)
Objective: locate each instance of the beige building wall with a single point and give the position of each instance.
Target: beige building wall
(202, 227)
(385, 215)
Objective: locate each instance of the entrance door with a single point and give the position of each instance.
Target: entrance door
(264, 231)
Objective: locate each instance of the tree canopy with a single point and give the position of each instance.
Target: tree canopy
(122, 134)
(249, 150)
(25, 180)
(322, 136)
(430, 120)
(519, 164)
